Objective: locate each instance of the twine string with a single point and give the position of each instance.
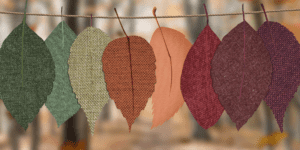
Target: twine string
(149, 17)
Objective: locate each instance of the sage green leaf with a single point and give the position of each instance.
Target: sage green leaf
(86, 74)
(62, 102)
(27, 73)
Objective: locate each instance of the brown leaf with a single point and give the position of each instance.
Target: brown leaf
(165, 102)
(129, 74)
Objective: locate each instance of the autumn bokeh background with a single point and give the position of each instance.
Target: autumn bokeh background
(181, 131)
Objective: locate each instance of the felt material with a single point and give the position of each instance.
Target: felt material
(62, 102)
(30, 64)
(230, 63)
(167, 100)
(196, 82)
(129, 74)
(86, 74)
(284, 52)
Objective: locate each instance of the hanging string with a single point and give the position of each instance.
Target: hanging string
(148, 17)
(262, 5)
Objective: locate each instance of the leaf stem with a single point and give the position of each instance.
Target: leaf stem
(153, 11)
(244, 53)
(130, 63)
(24, 21)
(268, 23)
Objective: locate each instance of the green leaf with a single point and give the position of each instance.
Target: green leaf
(86, 74)
(62, 102)
(27, 74)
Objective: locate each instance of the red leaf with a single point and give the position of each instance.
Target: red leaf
(129, 74)
(241, 72)
(196, 82)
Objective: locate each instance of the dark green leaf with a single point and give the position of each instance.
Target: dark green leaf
(27, 74)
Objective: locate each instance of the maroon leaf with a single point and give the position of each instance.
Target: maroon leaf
(241, 72)
(284, 50)
(196, 82)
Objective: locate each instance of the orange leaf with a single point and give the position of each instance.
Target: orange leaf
(165, 102)
(283, 1)
(295, 28)
(69, 145)
(272, 139)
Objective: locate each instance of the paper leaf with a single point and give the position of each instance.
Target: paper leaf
(129, 74)
(241, 95)
(27, 74)
(196, 82)
(86, 74)
(165, 102)
(62, 102)
(284, 52)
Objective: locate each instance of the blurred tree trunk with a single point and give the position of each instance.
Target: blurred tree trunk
(15, 130)
(268, 123)
(1, 122)
(35, 133)
(297, 105)
(90, 4)
(105, 111)
(195, 27)
(111, 12)
(13, 135)
(70, 132)
(288, 127)
(83, 128)
(131, 12)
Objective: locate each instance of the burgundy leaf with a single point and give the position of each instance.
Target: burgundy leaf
(284, 50)
(241, 72)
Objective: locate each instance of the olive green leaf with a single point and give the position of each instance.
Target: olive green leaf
(62, 102)
(86, 74)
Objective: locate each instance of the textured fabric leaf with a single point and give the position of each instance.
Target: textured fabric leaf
(196, 82)
(240, 96)
(129, 74)
(86, 74)
(165, 102)
(284, 52)
(62, 102)
(31, 66)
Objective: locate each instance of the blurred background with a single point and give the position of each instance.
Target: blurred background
(181, 131)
